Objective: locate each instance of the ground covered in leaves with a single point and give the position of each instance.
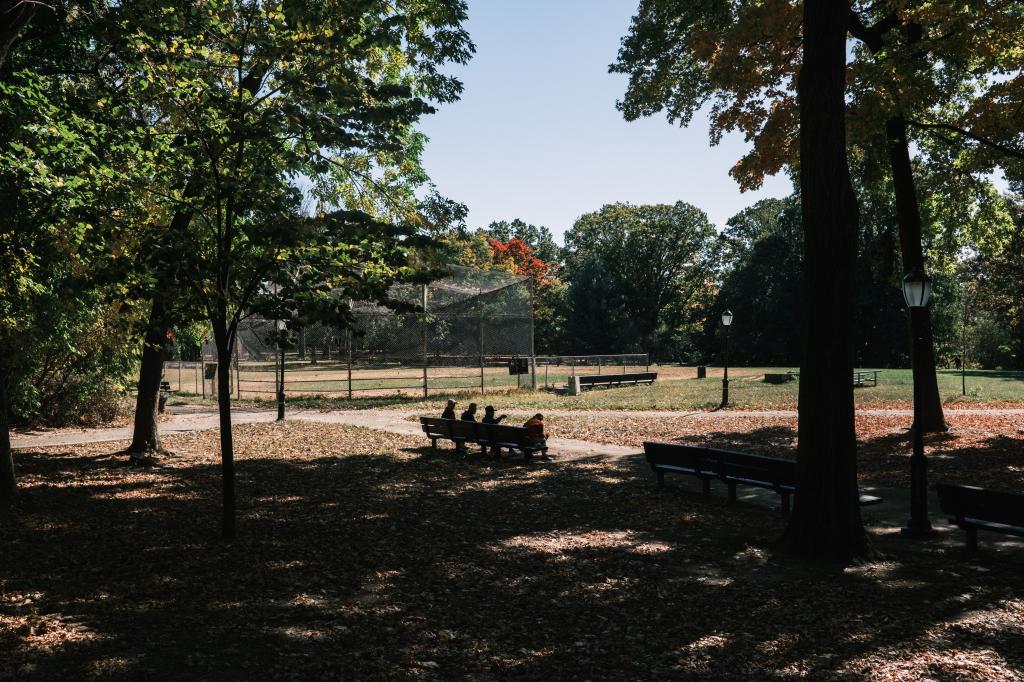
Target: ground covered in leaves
(986, 450)
(363, 555)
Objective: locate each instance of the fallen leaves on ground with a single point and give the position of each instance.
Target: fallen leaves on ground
(364, 555)
(986, 450)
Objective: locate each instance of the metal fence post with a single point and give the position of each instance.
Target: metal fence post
(480, 324)
(350, 364)
(533, 345)
(238, 371)
(423, 339)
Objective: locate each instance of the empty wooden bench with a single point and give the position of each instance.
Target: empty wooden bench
(975, 509)
(861, 379)
(612, 380)
(732, 468)
(485, 435)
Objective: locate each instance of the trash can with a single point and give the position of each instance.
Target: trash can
(702, 372)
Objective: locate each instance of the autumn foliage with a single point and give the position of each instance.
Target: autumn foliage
(517, 257)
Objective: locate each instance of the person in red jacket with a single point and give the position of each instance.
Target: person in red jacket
(535, 430)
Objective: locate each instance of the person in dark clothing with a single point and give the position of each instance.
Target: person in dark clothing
(489, 418)
(470, 414)
(449, 411)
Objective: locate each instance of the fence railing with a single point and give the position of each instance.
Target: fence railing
(350, 377)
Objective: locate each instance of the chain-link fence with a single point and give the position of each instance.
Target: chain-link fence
(470, 330)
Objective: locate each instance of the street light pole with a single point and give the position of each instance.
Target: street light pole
(727, 323)
(916, 292)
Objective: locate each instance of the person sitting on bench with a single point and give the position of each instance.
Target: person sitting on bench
(449, 411)
(489, 418)
(468, 416)
(535, 430)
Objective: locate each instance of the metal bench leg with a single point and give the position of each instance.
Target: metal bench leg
(785, 503)
(433, 444)
(661, 479)
(972, 540)
(732, 493)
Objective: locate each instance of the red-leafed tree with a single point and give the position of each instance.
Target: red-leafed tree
(517, 257)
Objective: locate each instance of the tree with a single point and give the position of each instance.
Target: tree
(539, 239)
(257, 95)
(826, 522)
(547, 290)
(636, 276)
(745, 56)
(761, 255)
(68, 180)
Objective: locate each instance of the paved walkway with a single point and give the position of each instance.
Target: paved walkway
(185, 418)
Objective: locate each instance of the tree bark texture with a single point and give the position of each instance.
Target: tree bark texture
(227, 452)
(826, 522)
(145, 437)
(908, 216)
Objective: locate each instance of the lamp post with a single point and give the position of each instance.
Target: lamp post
(917, 289)
(726, 322)
(280, 383)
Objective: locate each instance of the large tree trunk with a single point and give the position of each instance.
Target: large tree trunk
(909, 217)
(227, 452)
(826, 522)
(146, 438)
(8, 482)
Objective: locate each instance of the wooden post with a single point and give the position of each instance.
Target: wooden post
(350, 364)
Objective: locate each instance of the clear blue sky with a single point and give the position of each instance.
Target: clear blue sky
(537, 135)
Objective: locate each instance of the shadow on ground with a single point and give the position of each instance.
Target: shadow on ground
(362, 556)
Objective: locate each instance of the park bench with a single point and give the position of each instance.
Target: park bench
(861, 379)
(732, 468)
(485, 435)
(975, 509)
(165, 392)
(586, 381)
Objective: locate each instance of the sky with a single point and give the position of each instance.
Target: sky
(537, 136)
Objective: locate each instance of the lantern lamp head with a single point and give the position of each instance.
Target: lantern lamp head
(917, 289)
(726, 318)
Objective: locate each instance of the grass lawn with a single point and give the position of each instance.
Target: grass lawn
(678, 389)
(364, 556)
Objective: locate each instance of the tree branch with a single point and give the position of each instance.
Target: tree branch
(1012, 152)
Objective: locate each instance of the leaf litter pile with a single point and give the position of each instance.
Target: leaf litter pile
(363, 555)
(986, 450)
